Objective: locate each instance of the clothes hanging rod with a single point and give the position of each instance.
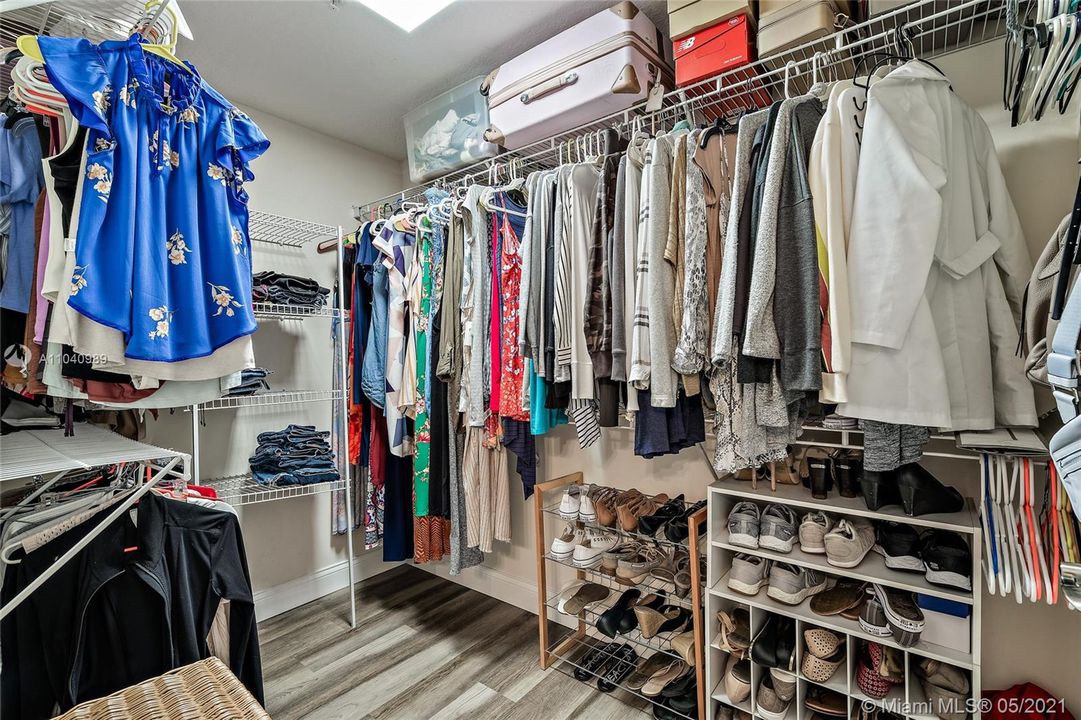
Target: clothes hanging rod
(830, 50)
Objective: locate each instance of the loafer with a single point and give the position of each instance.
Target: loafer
(821, 669)
(651, 523)
(784, 684)
(923, 494)
(634, 568)
(767, 703)
(609, 621)
(822, 643)
(737, 680)
(611, 558)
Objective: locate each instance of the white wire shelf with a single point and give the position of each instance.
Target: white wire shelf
(281, 397)
(286, 231)
(276, 311)
(35, 453)
(649, 585)
(242, 489)
(572, 651)
(936, 27)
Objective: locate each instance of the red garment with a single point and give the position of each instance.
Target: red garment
(105, 392)
(495, 320)
(512, 365)
(1027, 701)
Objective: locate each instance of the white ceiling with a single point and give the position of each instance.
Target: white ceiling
(350, 73)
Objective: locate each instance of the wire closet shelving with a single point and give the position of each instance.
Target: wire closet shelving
(935, 28)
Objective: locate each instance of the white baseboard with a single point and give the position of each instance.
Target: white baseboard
(275, 600)
(501, 586)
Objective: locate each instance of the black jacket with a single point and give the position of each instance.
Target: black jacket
(138, 601)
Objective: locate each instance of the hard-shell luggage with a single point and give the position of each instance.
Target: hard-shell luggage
(602, 65)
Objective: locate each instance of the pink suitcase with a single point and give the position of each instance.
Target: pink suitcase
(602, 65)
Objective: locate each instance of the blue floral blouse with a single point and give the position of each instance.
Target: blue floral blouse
(162, 251)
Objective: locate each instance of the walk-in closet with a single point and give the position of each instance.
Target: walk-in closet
(540, 359)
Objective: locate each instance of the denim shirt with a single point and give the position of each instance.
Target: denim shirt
(373, 377)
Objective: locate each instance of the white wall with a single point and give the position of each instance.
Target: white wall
(1021, 643)
(292, 555)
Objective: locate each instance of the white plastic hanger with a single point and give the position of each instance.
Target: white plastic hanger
(990, 551)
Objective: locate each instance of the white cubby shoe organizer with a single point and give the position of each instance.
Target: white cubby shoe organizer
(906, 699)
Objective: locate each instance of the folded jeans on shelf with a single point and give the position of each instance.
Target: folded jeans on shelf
(300, 476)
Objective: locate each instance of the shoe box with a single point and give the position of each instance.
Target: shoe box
(948, 622)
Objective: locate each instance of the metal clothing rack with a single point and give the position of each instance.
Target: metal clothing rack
(46, 457)
(242, 489)
(935, 27)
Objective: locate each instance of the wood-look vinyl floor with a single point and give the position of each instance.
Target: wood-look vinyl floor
(424, 649)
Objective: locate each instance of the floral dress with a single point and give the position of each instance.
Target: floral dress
(162, 251)
(512, 364)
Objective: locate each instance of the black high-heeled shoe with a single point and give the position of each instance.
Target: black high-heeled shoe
(923, 494)
(650, 524)
(880, 488)
(610, 620)
(677, 528)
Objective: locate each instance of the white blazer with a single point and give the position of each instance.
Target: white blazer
(934, 321)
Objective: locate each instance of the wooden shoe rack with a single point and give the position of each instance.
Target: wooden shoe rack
(568, 649)
(906, 699)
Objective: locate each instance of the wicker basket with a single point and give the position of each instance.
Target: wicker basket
(205, 690)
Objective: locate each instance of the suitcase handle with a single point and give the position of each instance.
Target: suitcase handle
(548, 87)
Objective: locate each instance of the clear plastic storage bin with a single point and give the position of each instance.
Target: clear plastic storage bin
(447, 133)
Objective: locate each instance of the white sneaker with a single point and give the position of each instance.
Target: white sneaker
(591, 551)
(571, 537)
(812, 532)
(586, 512)
(568, 506)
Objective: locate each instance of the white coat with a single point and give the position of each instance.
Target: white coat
(937, 265)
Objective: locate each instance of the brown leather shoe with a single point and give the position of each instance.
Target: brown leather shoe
(631, 511)
(607, 504)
